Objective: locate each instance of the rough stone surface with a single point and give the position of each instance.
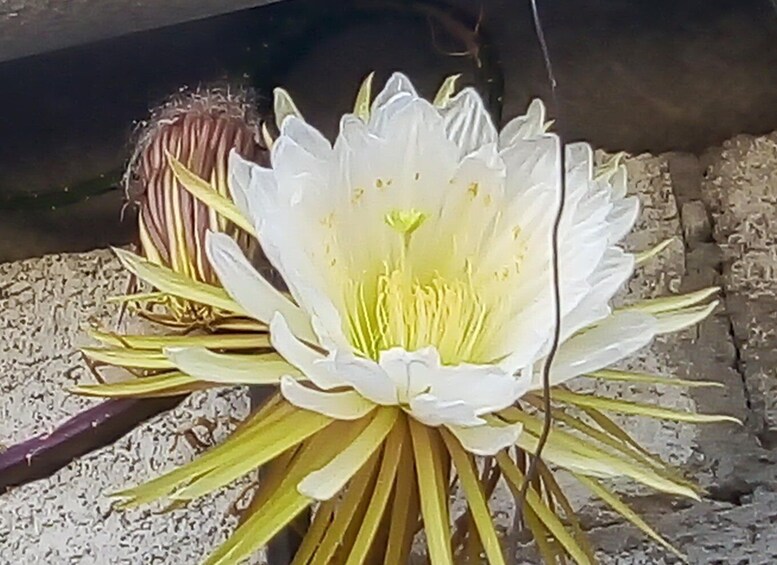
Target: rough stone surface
(740, 189)
(67, 518)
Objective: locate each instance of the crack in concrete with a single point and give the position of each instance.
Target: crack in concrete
(738, 362)
(685, 173)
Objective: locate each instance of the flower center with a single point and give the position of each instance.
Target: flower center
(397, 308)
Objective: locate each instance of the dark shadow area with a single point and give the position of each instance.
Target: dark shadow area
(635, 76)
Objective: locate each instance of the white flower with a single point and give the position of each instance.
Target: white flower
(417, 251)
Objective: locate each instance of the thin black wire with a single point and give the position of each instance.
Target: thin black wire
(543, 439)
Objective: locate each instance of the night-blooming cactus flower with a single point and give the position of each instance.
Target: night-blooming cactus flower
(417, 253)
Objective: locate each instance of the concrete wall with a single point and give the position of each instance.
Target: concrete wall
(47, 305)
(722, 209)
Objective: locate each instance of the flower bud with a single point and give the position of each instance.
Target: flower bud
(199, 128)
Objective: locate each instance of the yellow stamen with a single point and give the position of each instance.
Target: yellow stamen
(399, 310)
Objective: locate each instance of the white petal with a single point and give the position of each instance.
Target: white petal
(495, 389)
(348, 405)
(532, 124)
(306, 136)
(621, 218)
(488, 439)
(429, 410)
(367, 377)
(467, 122)
(240, 175)
(295, 253)
(307, 360)
(298, 172)
(353, 133)
(533, 162)
(408, 370)
(616, 337)
(398, 83)
(249, 289)
(580, 163)
(619, 183)
(421, 373)
(206, 365)
(612, 273)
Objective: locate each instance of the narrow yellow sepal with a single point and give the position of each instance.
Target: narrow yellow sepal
(138, 297)
(612, 436)
(163, 485)
(267, 137)
(349, 513)
(404, 517)
(684, 318)
(672, 303)
(283, 107)
(249, 454)
(645, 256)
(361, 107)
(609, 167)
(570, 516)
(260, 528)
(628, 407)
(326, 482)
(315, 533)
(514, 478)
(630, 377)
(433, 489)
(616, 504)
(445, 93)
(131, 358)
(332, 439)
(476, 500)
(392, 453)
(202, 190)
(284, 502)
(166, 384)
(170, 282)
(577, 454)
(159, 342)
